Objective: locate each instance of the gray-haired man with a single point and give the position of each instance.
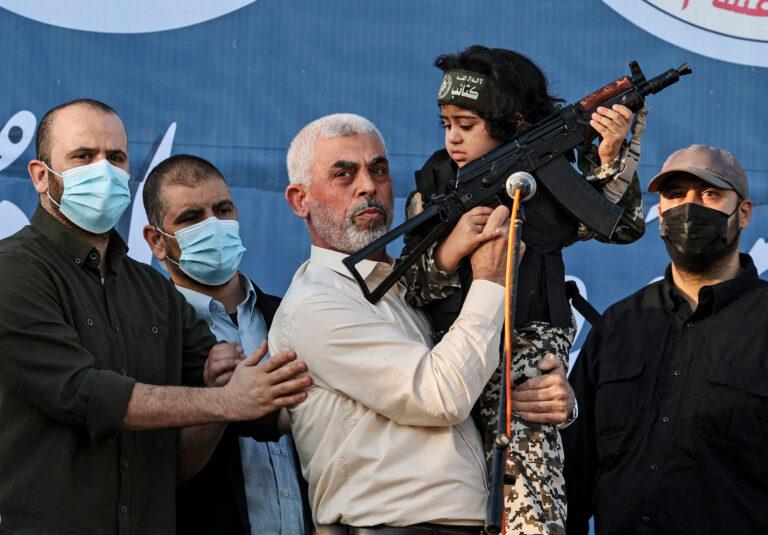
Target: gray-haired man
(383, 437)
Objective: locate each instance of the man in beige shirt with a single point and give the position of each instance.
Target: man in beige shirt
(384, 437)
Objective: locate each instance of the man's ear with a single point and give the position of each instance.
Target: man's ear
(155, 241)
(297, 196)
(39, 175)
(745, 213)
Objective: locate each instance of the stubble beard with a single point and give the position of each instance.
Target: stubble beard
(345, 236)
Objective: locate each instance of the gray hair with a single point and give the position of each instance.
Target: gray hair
(301, 153)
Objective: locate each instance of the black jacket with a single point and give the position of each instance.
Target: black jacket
(670, 437)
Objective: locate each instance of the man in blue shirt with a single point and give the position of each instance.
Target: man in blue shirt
(247, 486)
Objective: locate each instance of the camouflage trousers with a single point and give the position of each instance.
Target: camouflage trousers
(535, 504)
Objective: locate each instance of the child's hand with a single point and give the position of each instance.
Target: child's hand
(468, 233)
(613, 127)
(489, 260)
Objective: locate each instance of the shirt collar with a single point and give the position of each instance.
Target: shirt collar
(74, 246)
(715, 297)
(332, 260)
(205, 305)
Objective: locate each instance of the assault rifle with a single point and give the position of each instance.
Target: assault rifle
(540, 150)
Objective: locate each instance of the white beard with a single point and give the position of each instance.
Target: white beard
(345, 236)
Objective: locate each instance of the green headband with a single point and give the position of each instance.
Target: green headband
(466, 89)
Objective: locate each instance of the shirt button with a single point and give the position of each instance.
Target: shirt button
(154, 330)
(125, 463)
(286, 492)
(124, 509)
(117, 329)
(78, 261)
(646, 519)
(123, 372)
(93, 256)
(654, 467)
(665, 419)
(677, 373)
(89, 322)
(689, 324)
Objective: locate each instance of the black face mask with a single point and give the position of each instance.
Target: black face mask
(696, 236)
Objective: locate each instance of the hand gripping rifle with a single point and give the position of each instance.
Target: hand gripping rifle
(540, 150)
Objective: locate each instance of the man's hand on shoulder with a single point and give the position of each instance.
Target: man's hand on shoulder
(546, 399)
(259, 387)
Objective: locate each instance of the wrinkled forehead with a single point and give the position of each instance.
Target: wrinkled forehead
(195, 191)
(82, 125)
(358, 149)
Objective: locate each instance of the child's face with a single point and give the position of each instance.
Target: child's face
(466, 137)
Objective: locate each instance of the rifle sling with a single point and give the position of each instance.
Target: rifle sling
(583, 306)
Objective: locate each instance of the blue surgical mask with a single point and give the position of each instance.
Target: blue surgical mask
(210, 250)
(95, 195)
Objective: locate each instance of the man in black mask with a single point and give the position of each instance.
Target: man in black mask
(701, 190)
(673, 383)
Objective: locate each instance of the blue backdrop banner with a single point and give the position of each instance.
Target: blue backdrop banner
(234, 80)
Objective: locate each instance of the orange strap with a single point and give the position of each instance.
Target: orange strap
(508, 330)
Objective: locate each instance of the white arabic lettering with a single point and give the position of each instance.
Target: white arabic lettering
(465, 90)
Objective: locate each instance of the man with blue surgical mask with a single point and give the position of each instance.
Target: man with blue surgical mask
(95, 348)
(247, 487)
(94, 196)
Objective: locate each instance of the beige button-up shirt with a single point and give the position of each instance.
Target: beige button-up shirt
(384, 436)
